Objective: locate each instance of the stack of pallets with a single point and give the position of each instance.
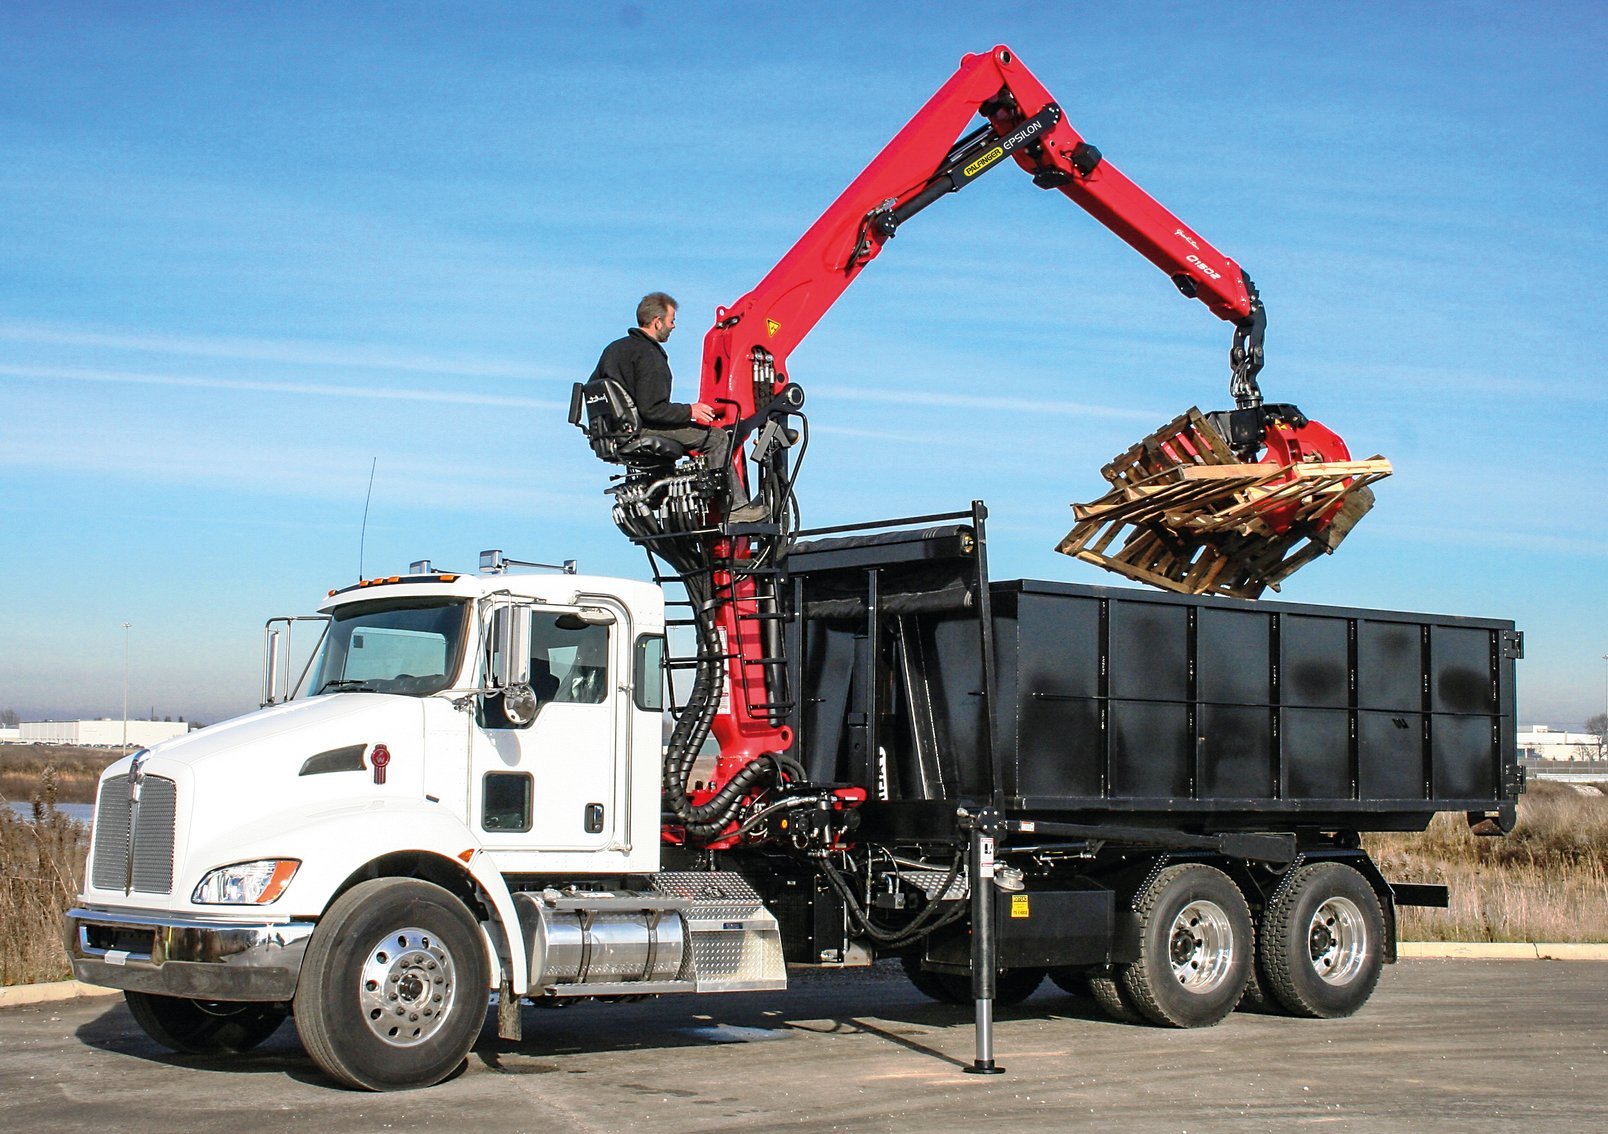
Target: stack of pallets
(1192, 518)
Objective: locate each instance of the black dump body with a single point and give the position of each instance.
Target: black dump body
(931, 686)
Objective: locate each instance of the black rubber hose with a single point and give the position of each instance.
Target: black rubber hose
(918, 927)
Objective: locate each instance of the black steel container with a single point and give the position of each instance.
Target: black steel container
(929, 685)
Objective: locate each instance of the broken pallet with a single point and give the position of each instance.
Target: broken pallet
(1192, 518)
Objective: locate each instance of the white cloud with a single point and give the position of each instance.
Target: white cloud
(289, 351)
(366, 392)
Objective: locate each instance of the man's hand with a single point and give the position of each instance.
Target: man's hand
(703, 414)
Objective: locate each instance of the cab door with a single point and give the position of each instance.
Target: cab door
(553, 784)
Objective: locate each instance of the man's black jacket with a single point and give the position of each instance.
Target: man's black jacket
(640, 365)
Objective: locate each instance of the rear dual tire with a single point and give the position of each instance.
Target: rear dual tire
(1010, 987)
(1195, 949)
(1321, 948)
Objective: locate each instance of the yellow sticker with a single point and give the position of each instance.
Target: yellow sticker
(981, 164)
(771, 327)
(1019, 906)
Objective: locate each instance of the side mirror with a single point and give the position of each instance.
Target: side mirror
(510, 629)
(519, 705)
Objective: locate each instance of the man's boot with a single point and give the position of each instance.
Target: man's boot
(751, 513)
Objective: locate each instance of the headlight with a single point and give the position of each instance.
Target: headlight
(246, 883)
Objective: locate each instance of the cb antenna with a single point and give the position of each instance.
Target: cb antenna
(362, 536)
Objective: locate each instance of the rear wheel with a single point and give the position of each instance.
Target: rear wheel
(1322, 941)
(204, 1027)
(942, 987)
(1015, 985)
(1107, 993)
(1072, 980)
(1010, 987)
(394, 987)
(1195, 948)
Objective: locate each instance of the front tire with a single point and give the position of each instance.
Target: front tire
(1195, 948)
(1322, 942)
(204, 1027)
(394, 986)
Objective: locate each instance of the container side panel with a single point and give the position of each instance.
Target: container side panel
(1463, 758)
(1236, 758)
(1461, 680)
(1390, 755)
(1316, 747)
(1390, 666)
(1235, 663)
(1314, 661)
(1150, 755)
(1062, 748)
(1060, 646)
(1149, 651)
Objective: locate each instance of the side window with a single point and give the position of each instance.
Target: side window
(569, 660)
(506, 801)
(647, 676)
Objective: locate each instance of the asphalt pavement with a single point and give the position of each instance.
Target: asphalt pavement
(1445, 1045)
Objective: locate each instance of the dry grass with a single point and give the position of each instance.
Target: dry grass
(41, 872)
(76, 770)
(1547, 881)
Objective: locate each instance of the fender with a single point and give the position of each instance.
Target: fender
(345, 846)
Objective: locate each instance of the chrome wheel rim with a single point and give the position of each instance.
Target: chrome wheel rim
(407, 987)
(1201, 946)
(1337, 940)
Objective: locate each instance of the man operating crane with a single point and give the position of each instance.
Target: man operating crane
(639, 364)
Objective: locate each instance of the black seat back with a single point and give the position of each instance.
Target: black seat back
(614, 428)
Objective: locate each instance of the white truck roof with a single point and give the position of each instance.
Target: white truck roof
(557, 589)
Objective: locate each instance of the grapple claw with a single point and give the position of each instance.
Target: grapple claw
(1194, 518)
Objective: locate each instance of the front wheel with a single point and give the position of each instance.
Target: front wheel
(1322, 941)
(394, 987)
(204, 1027)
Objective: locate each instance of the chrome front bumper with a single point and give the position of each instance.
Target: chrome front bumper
(204, 960)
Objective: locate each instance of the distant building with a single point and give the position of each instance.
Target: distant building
(1541, 743)
(100, 734)
(10, 735)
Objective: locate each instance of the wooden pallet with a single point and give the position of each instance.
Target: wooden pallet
(1192, 518)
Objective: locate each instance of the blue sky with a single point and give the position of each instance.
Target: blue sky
(248, 250)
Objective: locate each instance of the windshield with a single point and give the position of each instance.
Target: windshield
(409, 646)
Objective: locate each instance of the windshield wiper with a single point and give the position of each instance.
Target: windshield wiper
(346, 685)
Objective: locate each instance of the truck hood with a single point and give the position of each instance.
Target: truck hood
(240, 789)
(300, 727)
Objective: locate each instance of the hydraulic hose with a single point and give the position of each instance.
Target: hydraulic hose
(918, 927)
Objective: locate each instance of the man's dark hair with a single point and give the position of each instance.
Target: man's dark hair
(654, 305)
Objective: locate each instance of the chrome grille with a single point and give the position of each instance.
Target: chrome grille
(153, 837)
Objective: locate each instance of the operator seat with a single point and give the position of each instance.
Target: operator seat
(614, 428)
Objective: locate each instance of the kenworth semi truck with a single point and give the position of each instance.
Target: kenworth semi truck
(1156, 797)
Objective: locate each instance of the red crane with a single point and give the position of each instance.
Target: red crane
(744, 375)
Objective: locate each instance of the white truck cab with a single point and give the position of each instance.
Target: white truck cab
(463, 793)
